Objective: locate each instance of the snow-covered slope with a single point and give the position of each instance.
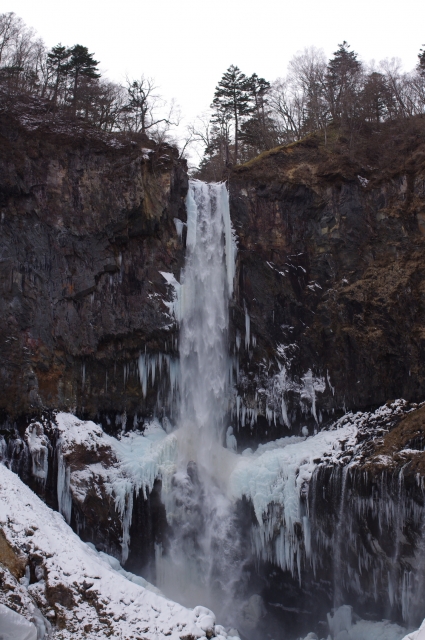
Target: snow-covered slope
(417, 635)
(74, 587)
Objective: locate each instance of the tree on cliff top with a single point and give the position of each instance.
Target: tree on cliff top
(258, 131)
(57, 64)
(145, 111)
(342, 83)
(81, 65)
(232, 100)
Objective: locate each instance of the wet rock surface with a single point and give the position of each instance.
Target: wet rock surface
(331, 267)
(86, 225)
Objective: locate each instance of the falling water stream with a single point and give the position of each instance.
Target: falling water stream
(204, 559)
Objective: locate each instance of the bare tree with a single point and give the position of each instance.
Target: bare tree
(288, 106)
(11, 27)
(145, 111)
(19, 54)
(397, 84)
(307, 74)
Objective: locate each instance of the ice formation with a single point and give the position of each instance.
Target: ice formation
(13, 626)
(38, 446)
(100, 601)
(343, 626)
(275, 479)
(138, 460)
(203, 477)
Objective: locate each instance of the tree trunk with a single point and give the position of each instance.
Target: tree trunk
(236, 136)
(74, 97)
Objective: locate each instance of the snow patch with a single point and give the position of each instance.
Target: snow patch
(102, 602)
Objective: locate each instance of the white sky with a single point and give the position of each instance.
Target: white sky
(186, 45)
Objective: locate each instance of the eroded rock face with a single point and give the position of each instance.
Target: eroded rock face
(332, 273)
(87, 224)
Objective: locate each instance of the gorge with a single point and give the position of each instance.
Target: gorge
(228, 401)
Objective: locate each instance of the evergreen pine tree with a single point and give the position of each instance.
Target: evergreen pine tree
(57, 64)
(81, 65)
(341, 82)
(232, 99)
(259, 88)
(257, 131)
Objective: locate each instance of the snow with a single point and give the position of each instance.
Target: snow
(174, 307)
(114, 564)
(363, 181)
(101, 602)
(342, 628)
(417, 635)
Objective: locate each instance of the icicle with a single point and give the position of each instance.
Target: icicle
(229, 238)
(126, 523)
(63, 486)
(285, 413)
(143, 374)
(247, 328)
(179, 227)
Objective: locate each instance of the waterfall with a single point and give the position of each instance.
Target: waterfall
(203, 561)
(207, 284)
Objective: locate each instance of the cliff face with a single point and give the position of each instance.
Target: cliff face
(330, 287)
(87, 224)
(328, 315)
(332, 275)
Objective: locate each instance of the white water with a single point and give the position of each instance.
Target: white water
(207, 284)
(204, 559)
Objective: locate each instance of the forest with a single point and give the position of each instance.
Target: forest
(247, 115)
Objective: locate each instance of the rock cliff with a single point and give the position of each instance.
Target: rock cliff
(87, 224)
(332, 275)
(328, 316)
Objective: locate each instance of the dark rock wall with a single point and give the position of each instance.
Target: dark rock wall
(86, 226)
(332, 264)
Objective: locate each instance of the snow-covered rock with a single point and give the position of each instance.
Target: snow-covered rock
(343, 625)
(92, 462)
(417, 635)
(75, 588)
